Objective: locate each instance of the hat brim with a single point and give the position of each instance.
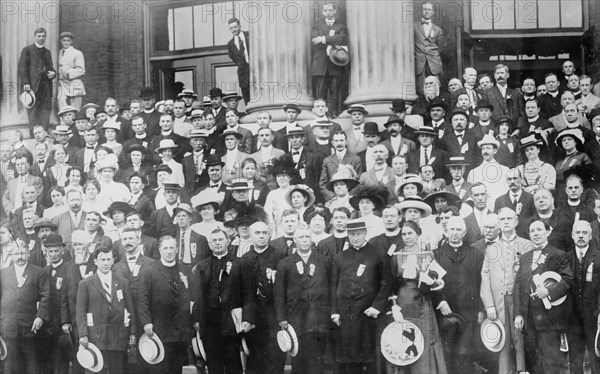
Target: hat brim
(31, 103)
(438, 105)
(490, 107)
(350, 183)
(310, 196)
(422, 206)
(387, 124)
(419, 185)
(5, 351)
(451, 198)
(161, 349)
(295, 346)
(99, 364)
(160, 149)
(238, 135)
(538, 143)
(198, 346)
(60, 113)
(494, 345)
(426, 132)
(377, 200)
(49, 225)
(351, 109)
(287, 107)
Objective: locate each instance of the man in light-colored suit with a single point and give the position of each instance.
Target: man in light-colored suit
(12, 198)
(428, 42)
(498, 278)
(266, 152)
(588, 100)
(356, 138)
(331, 163)
(74, 218)
(71, 68)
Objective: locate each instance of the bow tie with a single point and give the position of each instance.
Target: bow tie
(330, 23)
(425, 22)
(356, 128)
(489, 242)
(41, 161)
(526, 98)
(131, 258)
(90, 147)
(289, 241)
(459, 136)
(296, 153)
(214, 186)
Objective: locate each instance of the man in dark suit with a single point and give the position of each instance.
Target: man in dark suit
(474, 221)
(302, 300)
(10, 200)
(24, 306)
(460, 141)
(516, 198)
(74, 218)
(164, 306)
(396, 143)
(194, 164)
(239, 53)
(192, 247)
(148, 246)
(150, 115)
(542, 327)
(504, 99)
(166, 132)
(217, 110)
(258, 267)
(585, 266)
(458, 185)
(550, 101)
(140, 199)
(161, 221)
(53, 358)
(85, 158)
(331, 163)
(217, 278)
(36, 73)
(325, 74)
(427, 154)
(285, 243)
(469, 87)
(337, 242)
(104, 312)
(429, 40)
(92, 223)
(431, 93)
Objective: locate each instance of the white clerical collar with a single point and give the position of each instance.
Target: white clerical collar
(148, 111)
(143, 136)
(166, 133)
(220, 256)
(57, 264)
(38, 45)
(545, 215)
(533, 119)
(392, 233)
(340, 235)
(167, 264)
(322, 142)
(553, 94)
(260, 251)
(573, 203)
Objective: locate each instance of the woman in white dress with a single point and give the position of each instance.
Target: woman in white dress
(285, 173)
(111, 191)
(207, 203)
(92, 202)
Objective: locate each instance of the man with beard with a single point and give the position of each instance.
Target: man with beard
(542, 327)
(461, 295)
(43, 227)
(460, 141)
(104, 306)
(24, 306)
(302, 301)
(391, 239)
(218, 281)
(164, 306)
(54, 358)
(259, 267)
(80, 267)
(503, 249)
(584, 292)
(194, 164)
(336, 242)
(361, 283)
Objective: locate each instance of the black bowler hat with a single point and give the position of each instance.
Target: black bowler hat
(216, 92)
(147, 93)
(398, 105)
(371, 128)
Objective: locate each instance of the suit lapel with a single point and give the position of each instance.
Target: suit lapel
(98, 285)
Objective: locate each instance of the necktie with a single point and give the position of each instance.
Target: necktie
(580, 255)
(289, 242)
(425, 22)
(489, 242)
(515, 199)
(426, 151)
(63, 53)
(182, 246)
(41, 161)
(107, 293)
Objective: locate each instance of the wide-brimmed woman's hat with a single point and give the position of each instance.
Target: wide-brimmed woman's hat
(90, 358)
(344, 174)
(532, 139)
(151, 349)
(576, 134)
(205, 197)
(166, 144)
(376, 195)
(414, 202)
(451, 198)
(308, 193)
(412, 179)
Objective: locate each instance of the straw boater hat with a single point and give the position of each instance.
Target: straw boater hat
(165, 144)
(532, 139)
(90, 358)
(198, 347)
(296, 130)
(62, 130)
(187, 92)
(198, 134)
(416, 203)
(456, 161)
(288, 341)
(488, 139)
(239, 184)
(493, 335)
(426, 130)
(304, 190)
(357, 108)
(196, 113)
(151, 349)
(110, 125)
(88, 106)
(237, 134)
(28, 99)
(231, 95)
(344, 174)
(356, 224)
(207, 197)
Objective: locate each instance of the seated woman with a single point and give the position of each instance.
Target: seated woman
(415, 286)
(317, 217)
(535, 172)
(366, 201)
(341, 183)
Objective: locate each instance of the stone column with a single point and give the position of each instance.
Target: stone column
(382, 53)
(16, 32)
(280, 57)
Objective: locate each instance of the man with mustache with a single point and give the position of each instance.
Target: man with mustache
(74, 218)
(490, 172)
(80, 267)
(460, 141)
(516, 198)
(148, 246)
(396, 143)
(24, 306)
(504, 99)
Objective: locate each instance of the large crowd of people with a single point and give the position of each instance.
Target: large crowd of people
(163, 234)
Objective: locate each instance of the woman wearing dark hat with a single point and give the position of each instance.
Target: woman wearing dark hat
(536, 173)
(571, 141)
(341, 183)
(285, 175)
(317, 217)
(260, 190)
(366, 201)
(299, 197)
(415, 285)
(508, 150)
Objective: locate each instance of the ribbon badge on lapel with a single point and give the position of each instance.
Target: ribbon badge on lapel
(58, 283)
(271, 275)
(193, 249)
(311, 272)
(228, 268)
(300, 267)
(184, 279)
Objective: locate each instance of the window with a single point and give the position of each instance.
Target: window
(184, 26)
(539, 16)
